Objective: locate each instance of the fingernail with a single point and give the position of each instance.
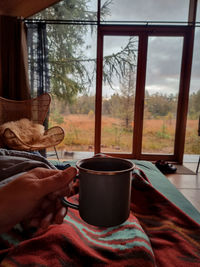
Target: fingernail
(63, 211)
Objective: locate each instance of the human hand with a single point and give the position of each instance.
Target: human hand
(35, 196)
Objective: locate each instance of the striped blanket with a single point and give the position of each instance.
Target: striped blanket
(157, 233)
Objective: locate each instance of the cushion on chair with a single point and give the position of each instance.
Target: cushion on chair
(26, 135)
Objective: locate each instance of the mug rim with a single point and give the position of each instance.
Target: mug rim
(79, 162)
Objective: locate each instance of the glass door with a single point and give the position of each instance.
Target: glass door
(143, 76)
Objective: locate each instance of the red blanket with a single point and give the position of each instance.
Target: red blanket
(175, 237)
(157, 233)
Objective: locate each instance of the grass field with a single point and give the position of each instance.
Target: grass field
(158, 135)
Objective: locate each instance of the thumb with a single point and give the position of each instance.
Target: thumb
(56, 181)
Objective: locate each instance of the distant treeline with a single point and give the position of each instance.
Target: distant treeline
(121, 106)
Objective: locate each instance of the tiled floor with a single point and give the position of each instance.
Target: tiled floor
(188, 185)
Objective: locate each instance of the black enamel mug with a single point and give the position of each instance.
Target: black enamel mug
(105, 190)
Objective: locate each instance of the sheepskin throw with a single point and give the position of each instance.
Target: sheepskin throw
(26, 135)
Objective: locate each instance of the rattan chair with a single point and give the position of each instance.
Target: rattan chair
(35, 110)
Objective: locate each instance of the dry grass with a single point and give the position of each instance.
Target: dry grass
(158, 135)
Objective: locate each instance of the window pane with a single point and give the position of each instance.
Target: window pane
(72, 71)
(161, 94)
(119, 72)
(198, 11)
(192, 141)
(151, 10)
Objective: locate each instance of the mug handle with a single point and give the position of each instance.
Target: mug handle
(69, 204)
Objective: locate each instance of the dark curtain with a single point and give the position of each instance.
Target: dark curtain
(38, 58)
(14, 83)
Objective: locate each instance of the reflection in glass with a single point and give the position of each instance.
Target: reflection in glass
(161, 94)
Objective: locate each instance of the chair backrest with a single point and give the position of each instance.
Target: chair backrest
(34, 109)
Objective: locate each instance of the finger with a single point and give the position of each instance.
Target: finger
(43, 172)
(60, 215)
(54, 214)
(35, 222)
(31, 223)
(65, 191)
(45, 204)
(56, 181)
(46, 221)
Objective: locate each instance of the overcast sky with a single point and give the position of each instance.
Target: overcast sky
(143, 10)
(164, 53)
